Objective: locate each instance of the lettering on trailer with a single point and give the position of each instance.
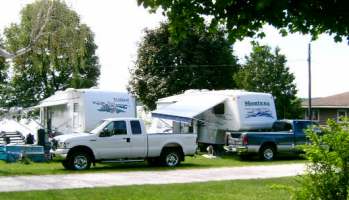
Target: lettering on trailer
(113, 106)
(257, 103)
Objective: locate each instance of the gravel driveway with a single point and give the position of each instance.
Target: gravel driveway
(47, 182)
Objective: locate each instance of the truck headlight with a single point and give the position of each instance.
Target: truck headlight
(63, 145)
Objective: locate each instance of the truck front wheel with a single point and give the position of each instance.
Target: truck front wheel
(267, 153)
(65, 164)
(79, 161)
(171, 157)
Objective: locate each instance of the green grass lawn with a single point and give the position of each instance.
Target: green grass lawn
(55, 167)
(241, 190)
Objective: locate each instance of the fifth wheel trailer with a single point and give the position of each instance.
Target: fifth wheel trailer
(80, 110)
(210, 114)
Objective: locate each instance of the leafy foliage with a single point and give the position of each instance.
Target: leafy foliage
(328, 171)
(246, 18)
(265, 71)
(3, 76)
(62, 57)
(202, 61)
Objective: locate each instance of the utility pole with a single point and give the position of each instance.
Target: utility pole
(309, 83)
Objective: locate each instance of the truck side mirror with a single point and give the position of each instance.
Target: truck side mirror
(104, 133)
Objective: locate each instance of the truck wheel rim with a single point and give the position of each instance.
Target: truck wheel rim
(172, 159)
(268, 154)
(80, 162)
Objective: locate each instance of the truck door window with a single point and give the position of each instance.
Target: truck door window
(107, 130)
(136, 128)
(301, 126)
(120, 128)
(282, 126)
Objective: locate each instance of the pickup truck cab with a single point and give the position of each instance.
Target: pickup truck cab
(122, 140)
(284, 137)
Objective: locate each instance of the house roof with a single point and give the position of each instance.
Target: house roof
(334, 101)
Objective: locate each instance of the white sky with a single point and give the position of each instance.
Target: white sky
(118, 27)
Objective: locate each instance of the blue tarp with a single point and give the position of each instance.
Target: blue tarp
(12, 153)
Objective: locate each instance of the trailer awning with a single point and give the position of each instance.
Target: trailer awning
(51, 103)
(186, 109)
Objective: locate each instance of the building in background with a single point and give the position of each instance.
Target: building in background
(331, 107)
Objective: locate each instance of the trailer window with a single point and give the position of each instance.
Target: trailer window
(219, 109)
(136, 127)
(76, 107)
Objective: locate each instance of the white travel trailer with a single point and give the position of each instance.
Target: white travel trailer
(79, 110)
(211, 114)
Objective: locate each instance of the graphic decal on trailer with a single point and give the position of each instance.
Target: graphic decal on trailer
(116, 106)
(254, 109)
(258, 112)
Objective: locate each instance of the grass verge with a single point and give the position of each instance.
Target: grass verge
(55, 167)
(258, 189)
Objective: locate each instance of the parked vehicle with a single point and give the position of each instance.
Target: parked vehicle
(123, 140)
(79, 110)
(284, 137)
(211, 113)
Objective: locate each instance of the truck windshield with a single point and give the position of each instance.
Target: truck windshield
(99, 127)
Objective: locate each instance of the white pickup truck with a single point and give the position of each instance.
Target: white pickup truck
(122, 140)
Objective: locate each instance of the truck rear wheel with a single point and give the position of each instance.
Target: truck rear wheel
(153, 161)
(267, 153)
(79, 161)
(170, 157)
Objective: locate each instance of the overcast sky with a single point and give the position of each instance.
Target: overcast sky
(118, 27)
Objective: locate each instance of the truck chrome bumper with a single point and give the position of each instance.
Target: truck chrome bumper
(236, 149)
(60, 152)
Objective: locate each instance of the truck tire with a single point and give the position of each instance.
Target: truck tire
(66, 164)
(170, 157)
(267, 153)
(79, 160)
(153, 161)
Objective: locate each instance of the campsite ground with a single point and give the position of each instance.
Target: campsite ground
(55, 167)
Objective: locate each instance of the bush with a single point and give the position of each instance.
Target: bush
(327, 176)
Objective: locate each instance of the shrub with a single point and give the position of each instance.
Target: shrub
(327, 174)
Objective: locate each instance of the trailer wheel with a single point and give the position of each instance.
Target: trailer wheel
(267, 153)
(171, 157)
(79, 161)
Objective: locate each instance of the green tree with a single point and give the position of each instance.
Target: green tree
(246, 18)
(62, 57)
(3, 77)
(266, 71)
(202, 61)
(327, 176)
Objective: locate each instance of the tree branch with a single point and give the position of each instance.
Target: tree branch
(33, 37)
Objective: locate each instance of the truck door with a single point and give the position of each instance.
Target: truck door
(112, 142)
(282, 130)
(138, 140)
(299, 128)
